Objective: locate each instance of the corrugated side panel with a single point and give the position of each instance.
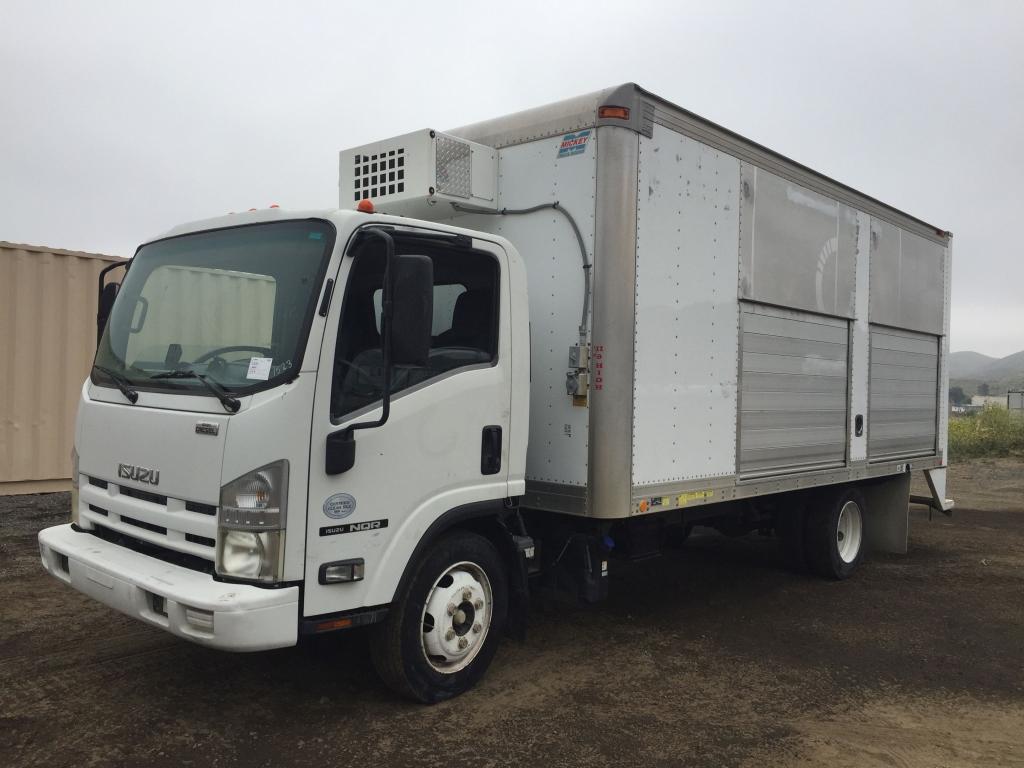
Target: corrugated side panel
(903, 400)
(684, 391)
(793, 398)
(47, 342)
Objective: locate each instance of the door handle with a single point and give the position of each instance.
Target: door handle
(490, 450)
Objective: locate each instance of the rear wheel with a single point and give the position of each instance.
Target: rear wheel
(834, 533)
(440, 636)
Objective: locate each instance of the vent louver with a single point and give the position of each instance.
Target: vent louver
(375, 176)
(419, 175)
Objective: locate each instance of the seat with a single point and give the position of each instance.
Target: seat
(472, 321)
(467, 342)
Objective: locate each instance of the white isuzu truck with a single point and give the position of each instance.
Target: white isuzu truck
(520, 352)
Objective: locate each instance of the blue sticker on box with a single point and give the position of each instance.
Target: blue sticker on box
(573, 144)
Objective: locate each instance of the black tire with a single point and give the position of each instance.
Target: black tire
(397, 646)
(826, 548)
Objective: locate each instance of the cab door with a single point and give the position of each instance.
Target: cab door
(446, 441)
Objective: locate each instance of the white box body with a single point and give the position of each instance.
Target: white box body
(754, 326)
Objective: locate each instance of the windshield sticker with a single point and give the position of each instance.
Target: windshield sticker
(316, 235)
(573, 144)
(259, 368)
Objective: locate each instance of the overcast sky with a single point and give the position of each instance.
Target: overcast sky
(119, 120)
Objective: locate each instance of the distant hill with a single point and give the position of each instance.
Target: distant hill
(968, 365)
(969, 369)
(1008, 367)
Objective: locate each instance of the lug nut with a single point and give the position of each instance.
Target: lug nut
(451, 609)
(449, 635)
(478, 604)
(463, 642)
(467, 594)
(477, 627)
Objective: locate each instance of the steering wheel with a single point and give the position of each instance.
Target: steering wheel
(265, 351)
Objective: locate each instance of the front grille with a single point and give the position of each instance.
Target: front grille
(202, 509)
(204, 540)
(142, 524)
(164, 522)
(135, 493)
(160, 553)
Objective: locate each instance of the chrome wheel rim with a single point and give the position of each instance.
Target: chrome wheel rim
(849, 532)
(456, 617)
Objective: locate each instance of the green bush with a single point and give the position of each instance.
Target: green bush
(992, 432)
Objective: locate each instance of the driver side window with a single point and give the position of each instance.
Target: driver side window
(464, 329)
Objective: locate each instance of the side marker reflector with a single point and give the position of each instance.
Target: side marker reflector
(327, 626)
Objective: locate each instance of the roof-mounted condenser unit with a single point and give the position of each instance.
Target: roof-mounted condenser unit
(419, 174)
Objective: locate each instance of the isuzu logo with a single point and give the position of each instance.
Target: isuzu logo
(138, 474)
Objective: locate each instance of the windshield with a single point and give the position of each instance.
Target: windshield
(233, 305)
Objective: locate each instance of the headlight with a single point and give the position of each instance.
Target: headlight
(74, 486)
(251, 522)
(250, 554)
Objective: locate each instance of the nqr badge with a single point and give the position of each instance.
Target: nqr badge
(339, 506)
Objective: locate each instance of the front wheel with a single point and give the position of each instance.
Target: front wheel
(834, 533)
(441, 634)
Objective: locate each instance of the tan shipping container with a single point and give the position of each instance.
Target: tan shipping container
(47, 343)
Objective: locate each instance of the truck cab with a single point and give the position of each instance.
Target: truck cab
(265, 447)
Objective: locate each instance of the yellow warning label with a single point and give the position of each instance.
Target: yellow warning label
(685, 498)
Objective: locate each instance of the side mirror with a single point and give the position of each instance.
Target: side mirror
(408, 317)
(412, 314)
(341, 452)
(106, 302)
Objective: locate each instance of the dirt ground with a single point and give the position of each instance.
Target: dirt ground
(712, 656)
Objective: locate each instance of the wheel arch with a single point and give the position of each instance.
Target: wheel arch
(486, 519)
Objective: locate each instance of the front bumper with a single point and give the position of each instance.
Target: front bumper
(187, 603)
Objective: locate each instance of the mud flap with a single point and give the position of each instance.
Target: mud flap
(887, 517)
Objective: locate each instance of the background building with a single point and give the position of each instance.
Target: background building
(47, 342)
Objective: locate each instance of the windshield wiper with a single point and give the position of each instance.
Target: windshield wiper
(230, 403)
(120, 382)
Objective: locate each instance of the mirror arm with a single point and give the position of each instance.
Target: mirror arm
(347, 435)
(103, 272)
(100, 319)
